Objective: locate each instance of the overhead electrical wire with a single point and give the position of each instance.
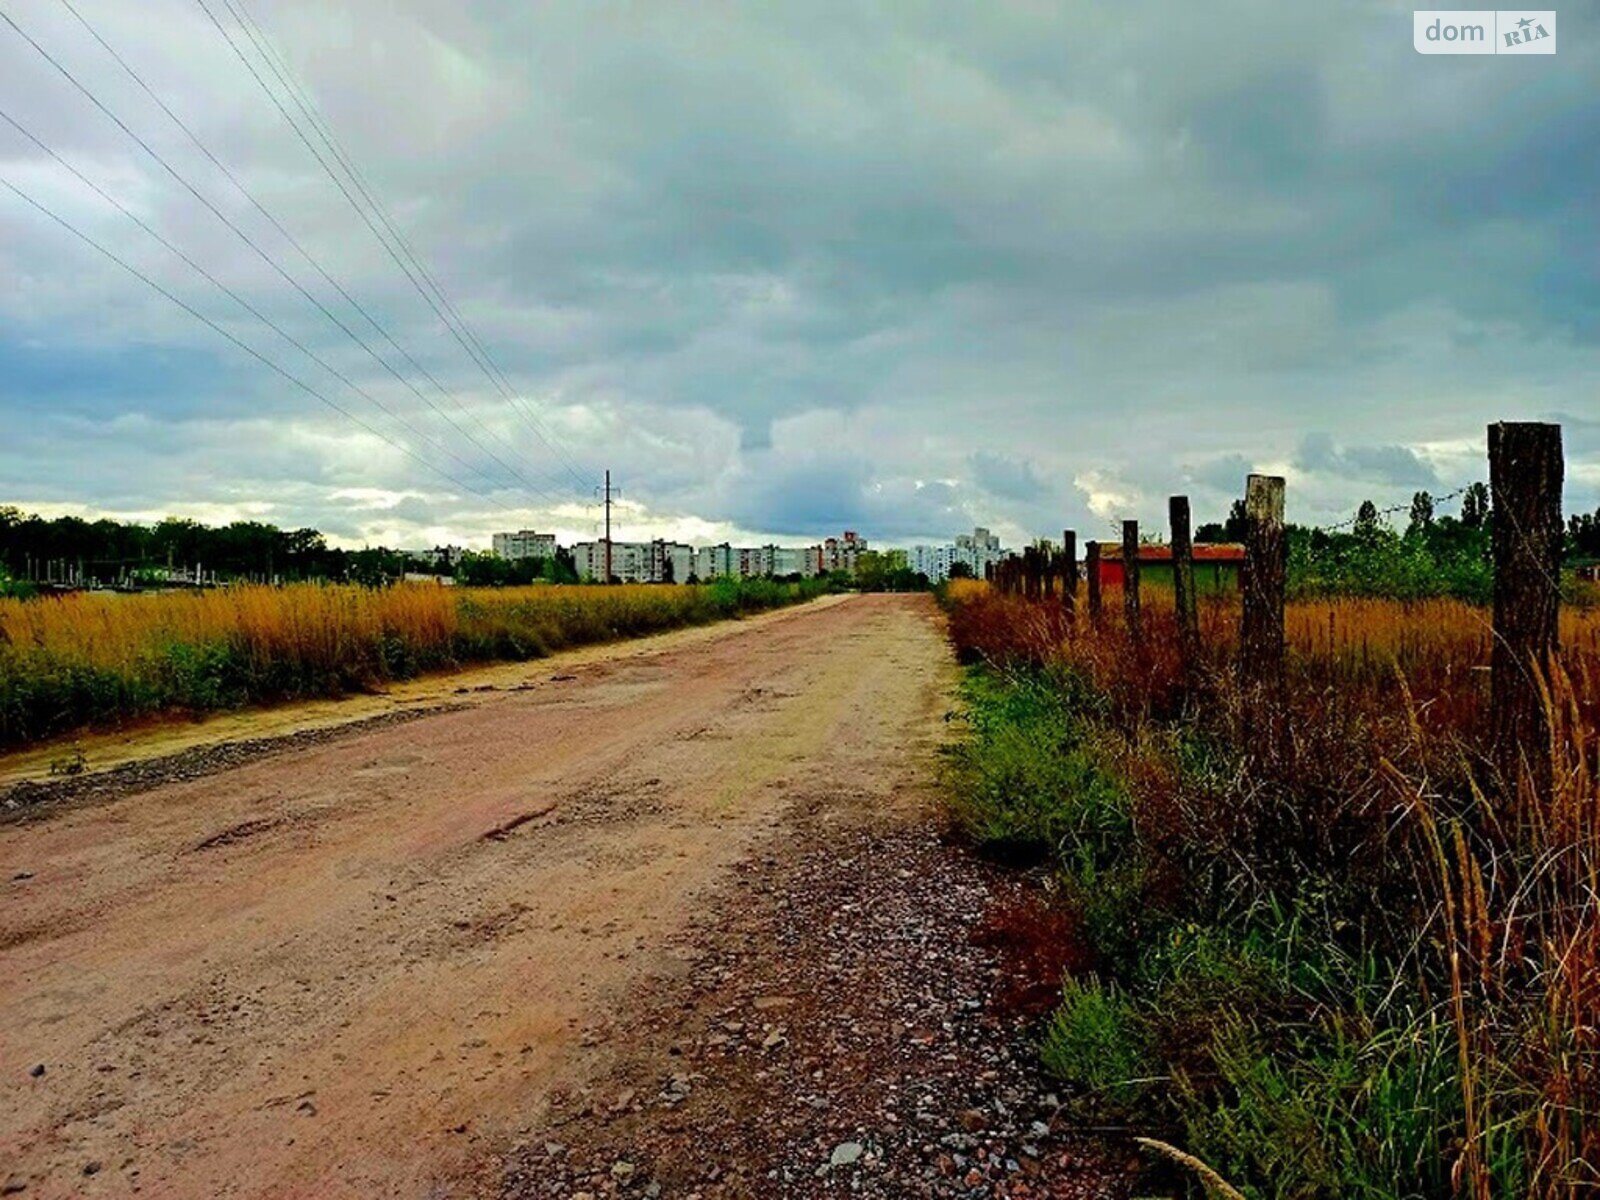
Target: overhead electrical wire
(262, 254)
(319, 124)
(458, 331)
(240, 300)
(241, 344)
(255, 202)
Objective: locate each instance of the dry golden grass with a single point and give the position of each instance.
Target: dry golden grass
(93, 658)
(307, 622)
(1440, 647)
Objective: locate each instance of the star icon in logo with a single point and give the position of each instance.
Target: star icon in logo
(1524, 23)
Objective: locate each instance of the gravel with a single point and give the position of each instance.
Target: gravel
(32, 796)
(835, 1037)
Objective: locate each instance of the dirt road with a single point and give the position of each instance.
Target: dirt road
(361, 967)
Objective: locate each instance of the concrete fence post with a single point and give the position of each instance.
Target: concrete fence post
(1525, 475)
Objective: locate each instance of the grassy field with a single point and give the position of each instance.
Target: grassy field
(1346, 962)
(96, 659)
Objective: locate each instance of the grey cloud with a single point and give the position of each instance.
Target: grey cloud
(1007, 477)
(1225, 474)
(1006, 247)
(1395, 465)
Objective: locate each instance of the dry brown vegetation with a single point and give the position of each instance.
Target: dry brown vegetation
(1356, 961)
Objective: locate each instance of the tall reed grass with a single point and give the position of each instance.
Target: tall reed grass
(94, 659)
(1345, 960)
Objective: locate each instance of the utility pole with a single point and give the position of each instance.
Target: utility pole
(608, 525)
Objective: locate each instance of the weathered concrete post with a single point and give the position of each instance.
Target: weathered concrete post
(1091, 569)
(1130, 581)
(1265, 572)
(1183, 585)
(1525, 474)
(1069, 573)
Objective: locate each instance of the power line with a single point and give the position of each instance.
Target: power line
(248, 349)
(254, 246)
(456, 332)
(309, 109)
(240, 300)
(265, 212)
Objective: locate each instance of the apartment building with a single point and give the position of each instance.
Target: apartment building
(976, 551)
(842, 554)
(630, 561)
(795, 560)
(525, 543)
(714, 562)
(662, 561)
(659, 561)
(671, 562)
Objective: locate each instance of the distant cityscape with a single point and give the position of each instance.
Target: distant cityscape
(69, 553)
(662, 561)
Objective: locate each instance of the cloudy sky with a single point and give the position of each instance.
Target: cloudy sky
(786, 268)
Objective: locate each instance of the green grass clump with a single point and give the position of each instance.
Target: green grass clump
(1332, 1109)
(1027, 780)
(1096, 1043)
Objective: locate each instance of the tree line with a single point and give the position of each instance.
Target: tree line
(109, 551)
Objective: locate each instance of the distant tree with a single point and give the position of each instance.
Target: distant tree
(1421, 512)
(1238, 523)
(376, 567)
(872, 570)
(1231, 530)
(1475, 506)
(1367, 519)
(563, 568)
(960, 570)
(1583, 534)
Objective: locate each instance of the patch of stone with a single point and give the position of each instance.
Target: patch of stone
(834, 1038)
(33, 797)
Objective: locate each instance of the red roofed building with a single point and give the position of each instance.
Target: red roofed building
(1216, 565)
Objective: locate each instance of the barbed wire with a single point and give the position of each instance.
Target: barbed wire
(1379, 514)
